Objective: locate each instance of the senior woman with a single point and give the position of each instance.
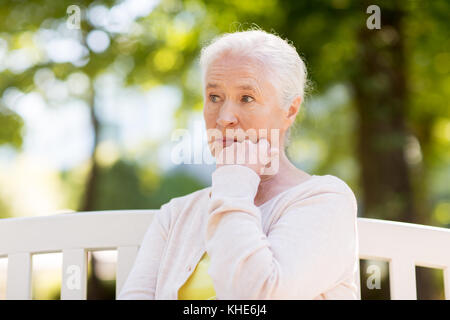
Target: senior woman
(264, 229)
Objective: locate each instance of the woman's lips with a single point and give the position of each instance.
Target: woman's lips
(227, 141)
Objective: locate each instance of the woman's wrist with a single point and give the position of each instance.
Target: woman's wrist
(234, 181)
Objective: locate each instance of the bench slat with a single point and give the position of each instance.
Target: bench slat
(402, 277)
(358, 279)
(125, 259)
(18, 285)
(447, 282)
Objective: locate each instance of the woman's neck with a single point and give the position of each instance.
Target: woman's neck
(287, 176)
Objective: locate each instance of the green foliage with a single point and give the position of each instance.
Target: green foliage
(11, 126)
(164, 45)
(122, 186)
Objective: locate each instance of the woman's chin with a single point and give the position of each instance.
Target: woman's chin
(227, 143)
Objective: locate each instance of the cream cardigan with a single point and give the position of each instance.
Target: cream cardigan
(302, 244)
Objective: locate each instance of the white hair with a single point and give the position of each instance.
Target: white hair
(283, 62)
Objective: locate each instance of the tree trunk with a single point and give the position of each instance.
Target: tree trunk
(95, 289)
(381, 97)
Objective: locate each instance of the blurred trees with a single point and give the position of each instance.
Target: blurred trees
(377, 114)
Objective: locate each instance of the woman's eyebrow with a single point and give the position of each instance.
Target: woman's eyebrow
(246, 87)
(212, 85)
(249, 87)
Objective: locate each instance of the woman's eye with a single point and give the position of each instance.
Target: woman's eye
(214, 98)
(247, 99)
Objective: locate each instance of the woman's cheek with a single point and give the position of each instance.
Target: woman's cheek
(254, 121)
(210, 115)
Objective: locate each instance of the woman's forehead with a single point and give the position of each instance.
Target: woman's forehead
(236, 78)
(242, 84)
(238, 73)
(239, 65)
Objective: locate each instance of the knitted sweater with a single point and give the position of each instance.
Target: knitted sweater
(301, 244)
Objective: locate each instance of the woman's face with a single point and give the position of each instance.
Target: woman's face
(239, 96)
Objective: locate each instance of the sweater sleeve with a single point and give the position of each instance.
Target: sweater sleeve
(141, 281)
(306, 252)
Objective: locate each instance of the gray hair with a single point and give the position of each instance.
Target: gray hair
(283, 62)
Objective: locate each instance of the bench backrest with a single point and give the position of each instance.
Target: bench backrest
(403, 245)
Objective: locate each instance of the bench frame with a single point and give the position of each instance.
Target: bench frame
(403, 245)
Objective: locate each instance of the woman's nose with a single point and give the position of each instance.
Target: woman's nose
(226, 116)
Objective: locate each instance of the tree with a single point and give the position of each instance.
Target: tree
(389, 130)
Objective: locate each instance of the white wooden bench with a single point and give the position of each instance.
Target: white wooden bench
(403, 245)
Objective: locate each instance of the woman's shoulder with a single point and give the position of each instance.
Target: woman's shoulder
(189, 202)
(320, 189)
(189, 199)
(331, 183)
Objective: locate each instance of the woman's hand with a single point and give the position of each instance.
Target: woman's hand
(256, 156)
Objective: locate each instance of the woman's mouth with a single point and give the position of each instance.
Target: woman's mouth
(228, 141)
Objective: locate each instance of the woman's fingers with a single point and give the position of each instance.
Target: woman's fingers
(217, 151)
(256, 156)
(264, 151)
(274, 163)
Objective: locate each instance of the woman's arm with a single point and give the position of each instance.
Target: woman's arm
(306, 252)
(141, 282)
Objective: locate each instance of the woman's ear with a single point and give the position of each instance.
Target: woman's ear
(293, 110)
